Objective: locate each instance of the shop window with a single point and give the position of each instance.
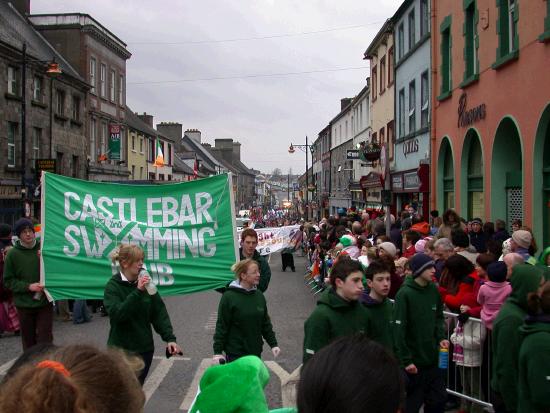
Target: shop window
(448, 181)
(446, 43)
(471, 41)
(507, 29)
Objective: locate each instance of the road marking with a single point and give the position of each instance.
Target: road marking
(6, 366)
(173, 358)
(158, 375)
(289, 382)
(192, 391)
(211, 323)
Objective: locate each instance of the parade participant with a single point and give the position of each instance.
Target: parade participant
(534, 355)
(76, 378)
(249, 242)
(22, 277)
(352, 375)
(338, 312)
(506, 340)
(133, 310)
(376, 301)
(243, 319)
(9, 321)
(418, 335)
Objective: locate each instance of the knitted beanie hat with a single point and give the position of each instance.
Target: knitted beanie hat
(419, 263)
(236, 387)
(22, 224)
(522, 238)
(420, 245)
(389, 248)
(347, 241)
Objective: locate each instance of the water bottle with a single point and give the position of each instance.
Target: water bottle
(37, 296)
(150, 286)
(443, 358)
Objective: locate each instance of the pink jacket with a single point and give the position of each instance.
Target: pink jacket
(491, 296)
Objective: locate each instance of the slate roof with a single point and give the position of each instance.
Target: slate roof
(136, 123)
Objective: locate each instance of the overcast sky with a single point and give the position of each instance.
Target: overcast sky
(174, 82)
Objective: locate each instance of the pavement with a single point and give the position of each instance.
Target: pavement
(171, 384)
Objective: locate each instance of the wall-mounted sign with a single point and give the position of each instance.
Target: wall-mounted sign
(114, 142)
(467, 117)
(410, 146)
(46, 165)
(397, 182)
(352, 154)
(410, 180)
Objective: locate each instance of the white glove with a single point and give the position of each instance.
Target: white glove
(276, 351)
(218, 359)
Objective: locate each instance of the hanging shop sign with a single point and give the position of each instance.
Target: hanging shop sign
(114, 142)
(352, 154)
(467, 117)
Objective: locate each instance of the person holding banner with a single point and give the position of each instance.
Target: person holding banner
(242, 317)
(249, 242)
(132, 309)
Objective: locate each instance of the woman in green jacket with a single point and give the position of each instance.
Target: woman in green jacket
(133, 310)
(243, 319)
(534, 355)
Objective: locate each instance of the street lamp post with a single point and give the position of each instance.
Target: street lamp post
(304, 148)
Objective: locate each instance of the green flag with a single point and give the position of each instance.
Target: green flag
(186, 230)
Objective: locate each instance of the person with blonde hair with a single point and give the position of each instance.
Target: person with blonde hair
(132, 310)
(243, 320)
(74, 379)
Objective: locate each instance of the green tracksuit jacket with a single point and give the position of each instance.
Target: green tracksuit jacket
(265, 271)
(506, 338)
(418, 326)
(242, 322)
(333, 317)
(381, 317)
(22, 268)
(534, 366)
(131, 314)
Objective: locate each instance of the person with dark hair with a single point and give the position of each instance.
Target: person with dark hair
(351, 375)
(76, 378)
(410, 238)
(338, 312)
(22, 277)
(459, 285)
(477, 236)
(494, 247)
(462, 245)
(249, 242)
(501, 234)
(534, 354)
(376, 301)
(506, 340)
(451, 220)
(418, 334)
(516, 224)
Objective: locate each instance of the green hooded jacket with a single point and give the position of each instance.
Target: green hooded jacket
(506, 339)
(534, 366)
(419, 325)
(242, 322)
(265, 271)
(333, 317)
(21, 269)
(381, 317)
(131, 314)
(543, 256)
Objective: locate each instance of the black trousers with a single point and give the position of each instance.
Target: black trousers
(426, 388)
(147, 359)
(288, 260)
(36, 325)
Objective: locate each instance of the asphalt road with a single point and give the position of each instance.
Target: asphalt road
(171, 384)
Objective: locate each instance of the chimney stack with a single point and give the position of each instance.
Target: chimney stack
(194, 134)
(148, 119)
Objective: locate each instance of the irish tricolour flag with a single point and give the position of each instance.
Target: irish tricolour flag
(159, 161)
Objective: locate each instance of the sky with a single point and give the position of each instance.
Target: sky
(235, 68)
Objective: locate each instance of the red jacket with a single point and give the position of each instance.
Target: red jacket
(466, 295)
(409, 252)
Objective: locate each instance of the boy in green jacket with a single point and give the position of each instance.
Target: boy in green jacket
(338, 312)
(419, 333)
(506, 338)
(376, 301)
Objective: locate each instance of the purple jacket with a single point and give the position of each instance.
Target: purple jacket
(491, 296)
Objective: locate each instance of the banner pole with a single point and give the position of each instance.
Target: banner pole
(233, 214)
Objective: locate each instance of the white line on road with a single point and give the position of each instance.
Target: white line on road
(288, 382)
(192, 391)
(158, 375)
(6, 366)
(211, 323)
(173, 358)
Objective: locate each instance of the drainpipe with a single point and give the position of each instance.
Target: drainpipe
(434, 63)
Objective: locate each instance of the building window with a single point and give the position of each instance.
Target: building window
(102, 79)
(412, 107)
(400, 41)
(13, 81)
(92, 138)
(476, 203)
(412, 33)
(382, 74)
(424, 99)
(390, 66)
(424, 18)
(507, 28)
(36, 138)
(74, 167)
(76, 108)
(92, 74)
(60, 102)
(133, 143)
(391, 138)
(141, 172)
(140, 145)
(59, 158)
(12, 133)
(37, 89)
(121, 90)
(374, 137)
(103, 139)
(382, 136)
(401, 113)
(374, 83)
(470, 40)
(112, 85)
(151, 154)
(133, 172)
(446, 78)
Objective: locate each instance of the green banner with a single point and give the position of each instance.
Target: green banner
(186, 230)
(114, 142)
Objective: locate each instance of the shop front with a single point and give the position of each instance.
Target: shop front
(412, 188)
(371, 186)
